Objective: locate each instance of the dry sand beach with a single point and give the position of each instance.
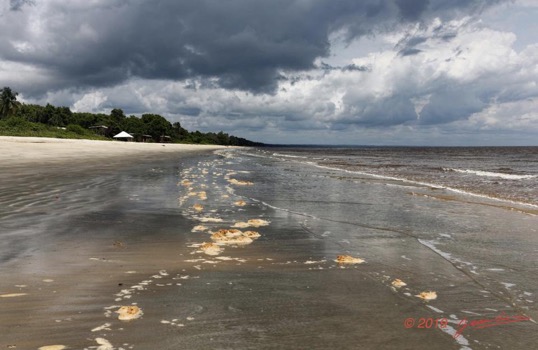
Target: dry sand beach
(108, 245)
(18, 151)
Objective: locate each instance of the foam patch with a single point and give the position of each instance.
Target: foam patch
(103, 344)
(398, 283)
(231, 236)
(347, 259)
(199, 228)
(207, 219)
(12, 295)
(128, 313)
(211, 248)
(252, 234)
(257, 222)
(241, 224)
(427, 296)
(240, 182)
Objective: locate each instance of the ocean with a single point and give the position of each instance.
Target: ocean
(445, 242)
(508, 173)
(458, 221)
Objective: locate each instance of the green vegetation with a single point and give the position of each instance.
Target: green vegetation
(18, 119)
(8, 102)
(17, 126)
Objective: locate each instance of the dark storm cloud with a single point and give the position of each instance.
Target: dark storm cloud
(393, 110)
(408, 45)
(16, 5)
(409, 52)
(347, 68)
(354, 67)
(190, 111)
(412, 9)
(242, 44)
(443, 109)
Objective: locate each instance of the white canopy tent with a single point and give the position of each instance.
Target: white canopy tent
(123, 135)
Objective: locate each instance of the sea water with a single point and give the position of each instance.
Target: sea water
(458, 221)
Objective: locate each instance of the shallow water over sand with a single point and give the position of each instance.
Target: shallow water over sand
(122, 238)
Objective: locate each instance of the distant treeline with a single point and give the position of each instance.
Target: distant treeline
(149, 128)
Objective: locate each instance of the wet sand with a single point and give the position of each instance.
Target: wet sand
(82, 241)
(66, 242)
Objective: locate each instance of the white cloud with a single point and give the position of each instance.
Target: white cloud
(90, 102)
(519, 115)
(527, 3)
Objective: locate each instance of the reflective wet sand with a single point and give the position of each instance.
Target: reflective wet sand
(284, 290)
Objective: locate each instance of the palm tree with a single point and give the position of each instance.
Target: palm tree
(8, 102)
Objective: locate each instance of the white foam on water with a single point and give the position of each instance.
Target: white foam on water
(309, 262)
(105, 327)
(492, 174)
(435, 309)
(104, 344)
(227, 258)
(207, 219)
(471, 313)
(288, 156)
(194, 245)
(12, 295)
(461, 340)
(424, 184)
(431, 244)
(111, 307)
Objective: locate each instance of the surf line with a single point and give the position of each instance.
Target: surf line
(510, 300)
(489, 322)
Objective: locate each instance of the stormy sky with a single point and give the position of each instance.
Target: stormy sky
(380, 72)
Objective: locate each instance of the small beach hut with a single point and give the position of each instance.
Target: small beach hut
(99, 129)
(123, 136)
(146, 138)
(165, 138)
